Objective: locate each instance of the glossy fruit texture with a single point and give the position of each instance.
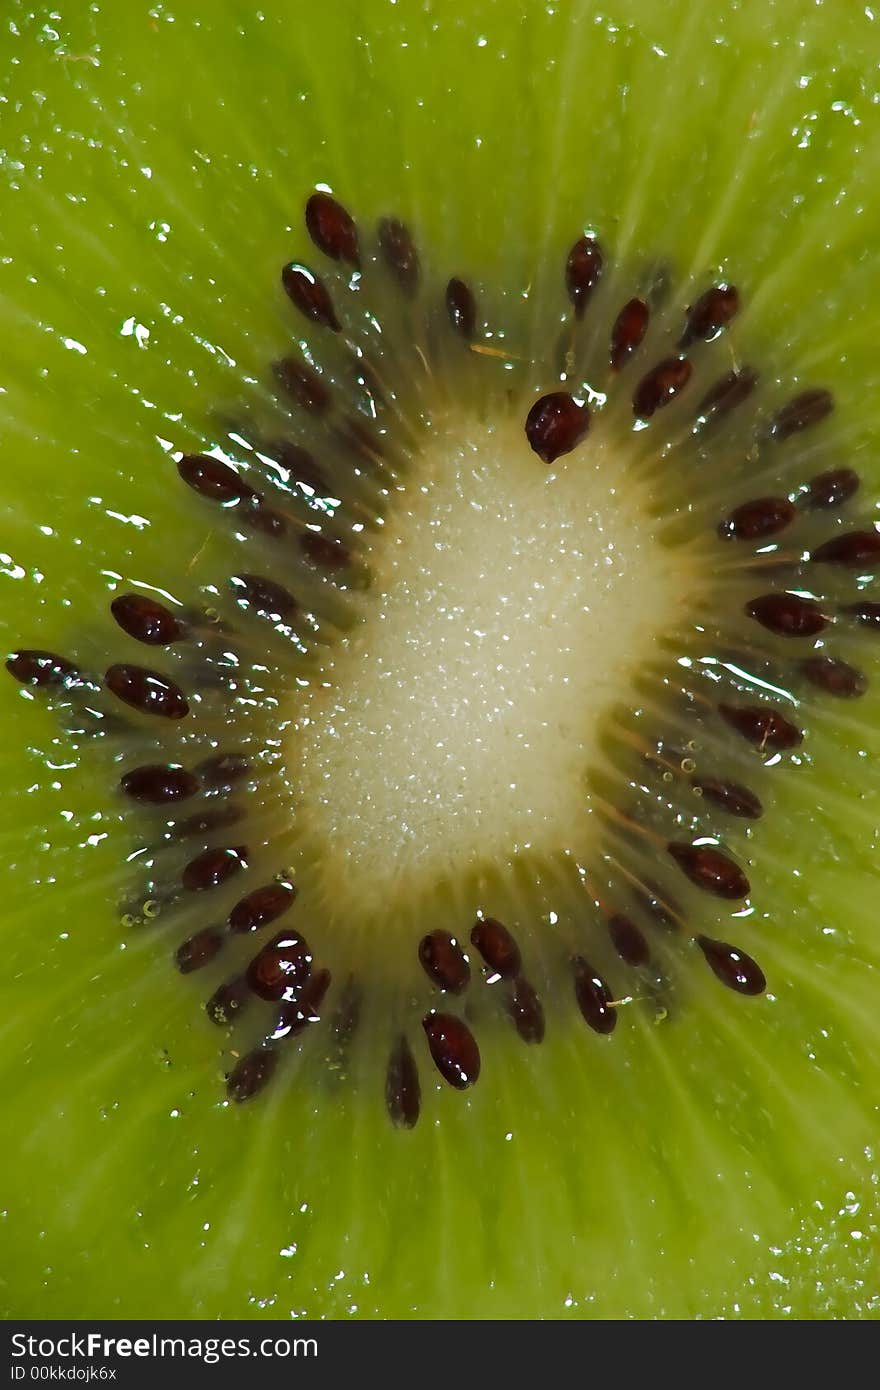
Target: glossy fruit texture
(711, 1164)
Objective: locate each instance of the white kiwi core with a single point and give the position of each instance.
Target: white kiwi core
(511, 605)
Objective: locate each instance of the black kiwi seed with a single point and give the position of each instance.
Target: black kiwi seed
(148, 691)
(831, 489)
(453, 1049)
(710, 870)
(726, 394)
(400, 255)
(213, 479)
(853, 550)
(206, 819)
(583, 269)
(304, 385)
(660, 386)
(556, 424)
(867, 612)
(764, 516)
(214, 867)
(526, 1011)
(788, 615)
(332, 229)
(324, 551)
(629, 329)
(594, 998)
(766, 727)
(159, 783)
(730, 796)
(147, 620)
(228, 1001)
(497, 947)
(251, 1073)
(461, 308)
(281, 966)
(444, 961)
(310, 295)
(261, 906)
(835, 677)
(221, 771)
(38, 668)
(804, 411)
(198, 950)
(628, 940)
(732, 966)
(711, 313)
(303, 1007)
(264, 596)
(403, 1095)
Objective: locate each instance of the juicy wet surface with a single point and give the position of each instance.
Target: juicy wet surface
(510, 603)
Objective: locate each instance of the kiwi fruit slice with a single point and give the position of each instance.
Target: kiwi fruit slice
(439, 591)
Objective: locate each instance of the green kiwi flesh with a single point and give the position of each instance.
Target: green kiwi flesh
(711, 1158)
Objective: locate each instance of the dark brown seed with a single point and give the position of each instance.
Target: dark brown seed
(526, 1010)
(403, 1095)
(213, 479)
(204, 821)
(332, 229)
(399, 252)
(37, 668)
(310, 295)
(726, 394)
(710, 870)
(264, 596)
(711, 313)
(198, 950)
(347, 1015)
(453, 1048)
(657, 903)
(834, 677)
(461, 308)
(324, 551)
(357, 435)
(303, 384)
(146, 620)
(556, 424)
(148, 691)
(281, 967)
(732, 797)
(214, 867)
(261, 906)
(263, 518)
(221, 771)
(787, 615)
(800, 413)
(866, 613)
(594, 998)
(766, 728)
(661, 385)
(583, 270)
(303, 1006)
(732, 966)
(299, 463)
(628, 941)
(497, 947)
(251, 1073)
(629, 329)
(158, 783)
(764, 516)
(854, 550)
(443, 961)
(831, 489)
(227, 1001)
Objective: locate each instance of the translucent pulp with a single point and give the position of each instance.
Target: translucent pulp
(511, 604)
